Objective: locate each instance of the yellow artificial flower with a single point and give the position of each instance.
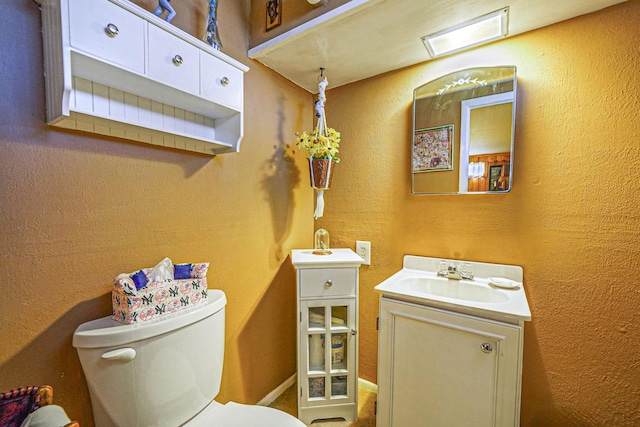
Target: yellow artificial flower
(320, 146)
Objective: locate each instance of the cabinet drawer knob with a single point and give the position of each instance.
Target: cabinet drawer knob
(486, 348)
(177, 60)
(111, 30)
(328, 283)
(224, 81)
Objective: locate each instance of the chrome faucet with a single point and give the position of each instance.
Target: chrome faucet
(455, 272)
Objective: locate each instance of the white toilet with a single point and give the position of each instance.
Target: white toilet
(165, 372)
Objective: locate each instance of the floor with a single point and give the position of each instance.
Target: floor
(288, 402)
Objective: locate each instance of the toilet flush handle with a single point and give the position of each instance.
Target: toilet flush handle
(123, 354)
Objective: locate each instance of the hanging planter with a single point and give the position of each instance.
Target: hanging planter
(321, 172)
(322, 146)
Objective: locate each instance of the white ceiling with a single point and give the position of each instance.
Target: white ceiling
(364, 38)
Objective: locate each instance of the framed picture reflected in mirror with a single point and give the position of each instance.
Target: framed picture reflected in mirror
(433, 149)
(495, 174)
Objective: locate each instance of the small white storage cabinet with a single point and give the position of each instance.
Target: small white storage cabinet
(113, 68)
(327, 291)
(441, 368)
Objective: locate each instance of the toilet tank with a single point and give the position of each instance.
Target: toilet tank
(160, 373)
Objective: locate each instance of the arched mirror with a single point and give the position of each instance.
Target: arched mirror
(463, 128)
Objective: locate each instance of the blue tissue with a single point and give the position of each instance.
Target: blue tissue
(139, 279)
(181, 271)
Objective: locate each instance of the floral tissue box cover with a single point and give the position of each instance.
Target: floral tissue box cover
(137, 297)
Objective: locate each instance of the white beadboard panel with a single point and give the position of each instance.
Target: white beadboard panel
(157, 137)
(190, 145)
(116, 130)
(144, 136)
(144, 111)
(168, 114)
(132, 134)
(168, 126)
(116, 104)
(179, 121)
(179, 142)
(82, 95)
(101, 125)
(131, 108)
(108, 127)
(85, 125)
(199, 126)
(189, 123)
(209, 128)
(109, 111)
(157, 121)
(100, 100)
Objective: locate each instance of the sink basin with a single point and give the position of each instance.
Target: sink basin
(453, 289)
(418, 283)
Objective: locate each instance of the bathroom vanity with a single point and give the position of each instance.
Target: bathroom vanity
(450, 351)
(327, 291)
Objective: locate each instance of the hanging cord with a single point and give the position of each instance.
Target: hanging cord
(322, 130)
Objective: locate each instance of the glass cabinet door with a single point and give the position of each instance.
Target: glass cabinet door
(329, 329)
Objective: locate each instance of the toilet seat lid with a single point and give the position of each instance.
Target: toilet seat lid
(238, 415)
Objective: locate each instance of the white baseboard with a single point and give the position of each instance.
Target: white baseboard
(273, 395)
(276, 392)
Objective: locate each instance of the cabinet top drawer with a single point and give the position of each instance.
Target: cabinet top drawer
(327, 282)
(107, 31)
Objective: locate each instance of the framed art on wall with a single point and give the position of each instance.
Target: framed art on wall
(274, 13)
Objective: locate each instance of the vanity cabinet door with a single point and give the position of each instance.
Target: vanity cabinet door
(439, 368)
(107, 31)
(173, 61)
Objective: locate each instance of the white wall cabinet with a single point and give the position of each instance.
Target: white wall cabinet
(327, 290)
(441, 368)
(113, 68)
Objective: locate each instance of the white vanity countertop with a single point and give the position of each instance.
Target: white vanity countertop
(419, 283)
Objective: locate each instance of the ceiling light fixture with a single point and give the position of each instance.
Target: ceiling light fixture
(478, 31)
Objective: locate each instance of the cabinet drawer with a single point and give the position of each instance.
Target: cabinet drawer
(221, 82)
(173, 61)
(89, 22)
(327, 282)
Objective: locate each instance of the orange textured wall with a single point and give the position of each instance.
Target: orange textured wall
(77, 209)
(294, 13)
(571, 220)
(191, 15)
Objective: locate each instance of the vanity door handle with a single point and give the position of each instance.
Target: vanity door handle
(111, 30)
(328, 283)
(486, 348)
(224, 81)
(177, 60)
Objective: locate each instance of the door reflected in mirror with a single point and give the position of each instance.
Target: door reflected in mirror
(463, 128)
